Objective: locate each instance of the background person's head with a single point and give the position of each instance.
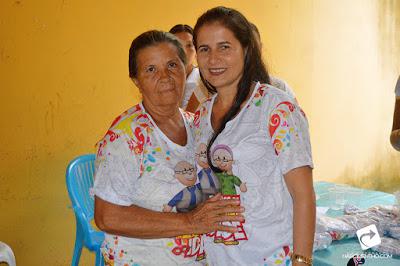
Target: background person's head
(251, 65)
(185, 36)
(157, 67)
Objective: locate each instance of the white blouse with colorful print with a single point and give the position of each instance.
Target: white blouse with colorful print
(135, 165)
(268, 138)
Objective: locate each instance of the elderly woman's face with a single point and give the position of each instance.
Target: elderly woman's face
(161, 75)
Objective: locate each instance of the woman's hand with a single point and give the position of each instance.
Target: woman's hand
(209, 215)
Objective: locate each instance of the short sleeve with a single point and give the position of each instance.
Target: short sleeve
(288, 132)
(397, 89)
(117, 170)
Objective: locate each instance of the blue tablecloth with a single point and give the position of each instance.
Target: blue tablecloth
(339, 252)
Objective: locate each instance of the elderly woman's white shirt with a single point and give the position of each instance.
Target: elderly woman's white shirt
(135, 166)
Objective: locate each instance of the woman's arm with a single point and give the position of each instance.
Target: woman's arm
(300, 185)
(137, 222)
(395, 135)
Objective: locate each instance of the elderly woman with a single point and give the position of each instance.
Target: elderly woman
(256, 135)
(144, 153)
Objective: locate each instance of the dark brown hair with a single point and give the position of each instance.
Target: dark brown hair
(178, 28)
(150, 38)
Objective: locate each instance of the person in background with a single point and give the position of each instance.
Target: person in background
(395, 135)
(195, 92)
(139, 163)
(276, 82)
(267, 133)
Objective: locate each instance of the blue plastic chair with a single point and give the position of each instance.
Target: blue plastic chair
(79, 183)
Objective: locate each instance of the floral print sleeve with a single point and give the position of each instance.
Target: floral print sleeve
(118, 160)
(114, 173)
(288, 132)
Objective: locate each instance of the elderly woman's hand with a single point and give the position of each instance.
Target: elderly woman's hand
(209, 215)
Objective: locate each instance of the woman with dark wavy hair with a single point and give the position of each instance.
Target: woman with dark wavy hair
(267, 132)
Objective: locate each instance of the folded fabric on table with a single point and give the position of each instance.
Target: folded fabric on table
(385, 218)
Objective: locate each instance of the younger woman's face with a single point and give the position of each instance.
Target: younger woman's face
(220, 56)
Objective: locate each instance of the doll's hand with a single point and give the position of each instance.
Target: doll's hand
(167, 208)
(243, 187)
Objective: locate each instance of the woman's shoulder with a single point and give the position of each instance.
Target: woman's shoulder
(268, 96)
(270, 100)
(272, 90)
(129, 128)
(134, 115)
(277, 102)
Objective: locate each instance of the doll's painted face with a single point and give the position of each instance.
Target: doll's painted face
(185, 173)
(201, 155)
(223, 159)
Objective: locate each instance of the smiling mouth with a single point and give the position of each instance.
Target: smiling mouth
(216, 71)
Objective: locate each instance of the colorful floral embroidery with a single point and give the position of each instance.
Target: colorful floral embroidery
(200, 113)
(137, 137)
(189, 116)
(280, 257)
(109, 254)
(258, 96)
(150, 157)
(196, 121)
(111, 136)
(127, 112)
(279, 128)
(188, 246)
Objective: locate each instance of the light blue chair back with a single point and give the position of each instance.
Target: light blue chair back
(79, 175)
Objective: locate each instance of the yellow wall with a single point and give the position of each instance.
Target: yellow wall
(64, 77)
